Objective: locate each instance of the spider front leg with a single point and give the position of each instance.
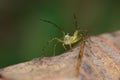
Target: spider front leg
(70, 45)
(64, 46)
(57, 39)
(48, 43)
(55, 48)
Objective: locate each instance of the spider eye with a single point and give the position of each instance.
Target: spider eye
(83, 33)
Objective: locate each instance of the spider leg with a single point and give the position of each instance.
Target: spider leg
(70, 45)
(55, 25)
(48, 43)
(59, 40)
(64, 46)
(75, 22)
(55, 48)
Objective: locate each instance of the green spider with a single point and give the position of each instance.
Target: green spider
(67, 39)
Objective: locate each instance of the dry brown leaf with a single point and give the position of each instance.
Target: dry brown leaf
(103, 63)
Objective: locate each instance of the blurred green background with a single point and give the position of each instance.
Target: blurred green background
(23, 35)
